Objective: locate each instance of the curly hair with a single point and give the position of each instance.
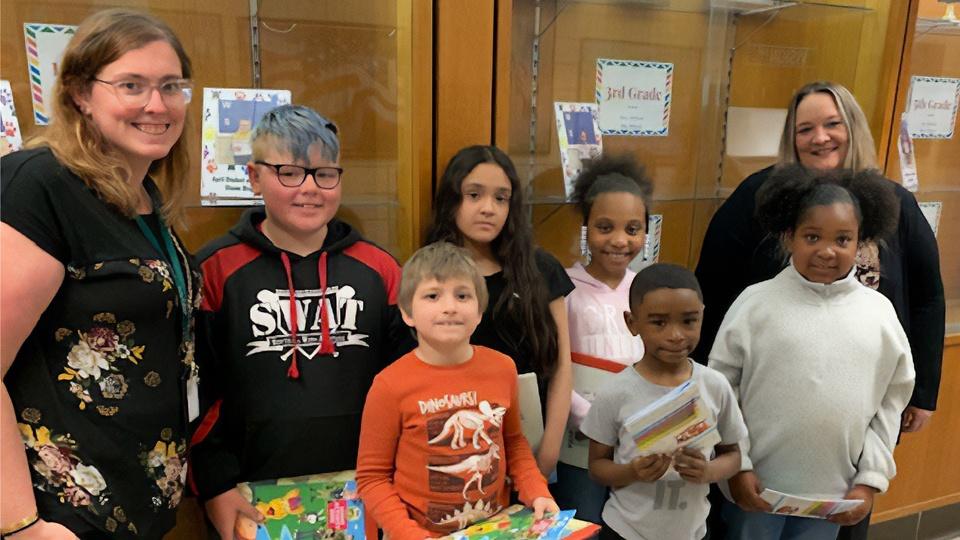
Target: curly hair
(783, 201)
(611, 174)
(524, 301)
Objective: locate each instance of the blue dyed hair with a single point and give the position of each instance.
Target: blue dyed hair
(294, 128)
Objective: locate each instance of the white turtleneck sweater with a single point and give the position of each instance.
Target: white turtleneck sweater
(823, 373)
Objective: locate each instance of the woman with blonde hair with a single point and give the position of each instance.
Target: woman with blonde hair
(98, 294)
(826, 129)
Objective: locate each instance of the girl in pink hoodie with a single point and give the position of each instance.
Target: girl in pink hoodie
(613, 194)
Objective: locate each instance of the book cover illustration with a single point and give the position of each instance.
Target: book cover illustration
(516, 523)
(795, 505)
(676, 420)
(319, 506)
(577, 529)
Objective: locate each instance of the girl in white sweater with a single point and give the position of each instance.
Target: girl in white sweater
(820, 363)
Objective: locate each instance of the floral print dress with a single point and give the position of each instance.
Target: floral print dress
(99, 386)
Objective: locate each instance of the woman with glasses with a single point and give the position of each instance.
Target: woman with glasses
(98, 294)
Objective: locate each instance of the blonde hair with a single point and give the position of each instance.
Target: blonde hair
(77, 143)
(861, 153)
(440, 261)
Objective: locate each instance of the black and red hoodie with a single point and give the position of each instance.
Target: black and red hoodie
(283, 389)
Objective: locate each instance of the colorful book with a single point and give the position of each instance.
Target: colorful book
(580, 530)
(516, 523)
(316, 506)
(676, 420)
(795, 505)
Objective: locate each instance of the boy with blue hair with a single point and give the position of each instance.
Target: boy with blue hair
(299, 314)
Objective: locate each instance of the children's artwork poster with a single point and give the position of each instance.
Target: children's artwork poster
(908, 157)
(634, 97)
(319, 506)
(45, 45)
(933, 107)
(931, 210)
(11, 140)
(579, 136)
(229, 115)
(651, 247)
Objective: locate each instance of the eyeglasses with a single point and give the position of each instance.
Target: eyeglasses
(136, 92)
(294, 175)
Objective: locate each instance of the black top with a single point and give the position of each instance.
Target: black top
(260, 421)
(508, 337)
(99, 385)
(737, 253)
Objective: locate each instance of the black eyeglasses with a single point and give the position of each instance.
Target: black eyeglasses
(294, 175)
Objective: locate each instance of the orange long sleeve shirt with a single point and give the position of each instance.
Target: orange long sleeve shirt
(437, 444)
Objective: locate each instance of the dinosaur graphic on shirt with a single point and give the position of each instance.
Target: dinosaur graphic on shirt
(459, 422)
(474, 466)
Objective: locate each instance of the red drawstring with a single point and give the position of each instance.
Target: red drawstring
(326, 344)
(293, 371)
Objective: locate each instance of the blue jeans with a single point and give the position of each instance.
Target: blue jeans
(753, 525)
(574, 489)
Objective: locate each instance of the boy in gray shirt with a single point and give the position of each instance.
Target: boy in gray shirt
(661, 496)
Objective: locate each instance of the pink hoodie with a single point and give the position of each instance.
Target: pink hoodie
(595, 315)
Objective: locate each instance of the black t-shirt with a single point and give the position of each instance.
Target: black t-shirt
(99, 385)
(508, 337)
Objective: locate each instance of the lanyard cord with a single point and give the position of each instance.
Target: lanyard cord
(170, 254)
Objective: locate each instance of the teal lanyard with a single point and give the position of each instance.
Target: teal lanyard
(172, 257)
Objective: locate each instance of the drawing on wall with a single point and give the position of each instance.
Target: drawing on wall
(45, 45)
(229, 115)
(11, 140)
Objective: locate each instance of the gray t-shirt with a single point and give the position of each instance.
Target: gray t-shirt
(670, 507)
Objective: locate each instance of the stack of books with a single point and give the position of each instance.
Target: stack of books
(676, 420)
(317, 506)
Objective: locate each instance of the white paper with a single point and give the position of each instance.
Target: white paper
(579, 137)
(531, 414)
(754, 131)
(933, 107)
(587, 381)
(634, 97)
(45, 44)
(795, 505)
(931, 210)
(229, 114)
(11, 141)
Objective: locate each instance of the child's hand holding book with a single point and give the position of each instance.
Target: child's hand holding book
(544, 505)
(692, 466)
(745, 489)
(225, 510)
(852, 517)
(650, 468)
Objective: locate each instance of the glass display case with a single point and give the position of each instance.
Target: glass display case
(360, 63)
(736, 65)
(934, 53)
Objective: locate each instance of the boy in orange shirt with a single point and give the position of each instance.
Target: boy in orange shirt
(441, 426)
